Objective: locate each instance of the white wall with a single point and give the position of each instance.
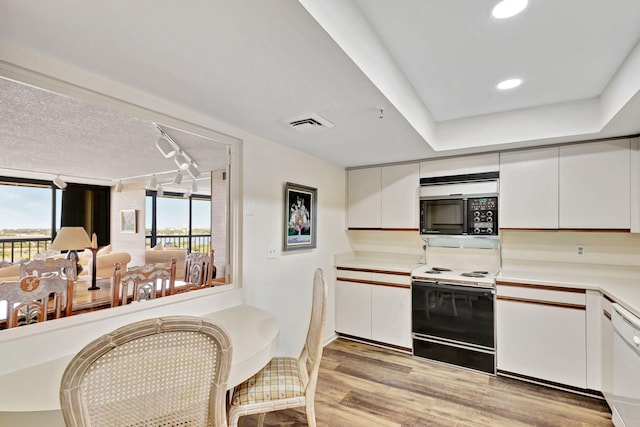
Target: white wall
(282, 285)
(131, 197)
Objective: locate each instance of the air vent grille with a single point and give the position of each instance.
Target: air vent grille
(308, 122)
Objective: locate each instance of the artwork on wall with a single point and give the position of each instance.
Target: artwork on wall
(300, 217)
(128, 221)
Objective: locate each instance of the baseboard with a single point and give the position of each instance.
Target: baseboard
(576, 390)
(375, 343)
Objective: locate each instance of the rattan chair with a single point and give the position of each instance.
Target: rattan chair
(169, 371)
(147, 282)
(287, 382)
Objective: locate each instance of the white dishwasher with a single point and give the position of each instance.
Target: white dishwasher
(625, 406)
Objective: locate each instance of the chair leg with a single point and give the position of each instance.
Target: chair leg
(261, 419)
(311, 414)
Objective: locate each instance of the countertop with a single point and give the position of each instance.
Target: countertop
(402, 263)
(621, 284)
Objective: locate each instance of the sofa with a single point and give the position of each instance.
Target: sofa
(105, 262)
(9, 272)
(162, 254)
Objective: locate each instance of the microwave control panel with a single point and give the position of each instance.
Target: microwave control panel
(482, 216)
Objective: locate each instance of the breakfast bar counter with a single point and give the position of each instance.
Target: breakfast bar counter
(30, 394)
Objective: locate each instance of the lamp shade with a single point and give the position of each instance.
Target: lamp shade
(71, 238)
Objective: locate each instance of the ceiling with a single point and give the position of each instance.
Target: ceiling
(399, 81)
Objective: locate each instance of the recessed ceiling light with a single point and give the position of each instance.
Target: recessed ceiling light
(508, 8)
(509, 84)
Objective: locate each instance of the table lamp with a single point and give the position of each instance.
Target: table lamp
(72, 239)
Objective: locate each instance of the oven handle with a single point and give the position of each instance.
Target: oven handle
(436, 286)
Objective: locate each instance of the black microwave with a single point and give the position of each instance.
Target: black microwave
(459, 215)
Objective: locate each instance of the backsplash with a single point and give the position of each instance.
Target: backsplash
(602, 248)
(397, 242)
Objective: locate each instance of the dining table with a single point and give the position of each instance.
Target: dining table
(30, 396)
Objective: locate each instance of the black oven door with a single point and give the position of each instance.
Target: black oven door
(462, 314)
(442, 216)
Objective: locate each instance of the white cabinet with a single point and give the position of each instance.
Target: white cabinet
(364, 199)
(595, 185)
(541, 333)
(353, 308)
(391, 315)
(607, 349)
(374, 306)
(529, 189)
(383, 197)
(399, 194)
(460, 165)
(579, 186)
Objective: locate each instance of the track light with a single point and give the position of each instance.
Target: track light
(165, 147)
(194, 187)
(193, 171)
(160, 191)
(187, 194)
(178, 179)
(118, 188)
(59, 182)
(153, 182)
(182, 161)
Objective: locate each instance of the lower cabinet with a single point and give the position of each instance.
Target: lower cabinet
(541, 333)
(374, 306)
(607, 349)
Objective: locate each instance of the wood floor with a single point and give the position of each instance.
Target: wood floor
(362, 385)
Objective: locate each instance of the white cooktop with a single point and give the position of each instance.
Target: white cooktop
(482, 278)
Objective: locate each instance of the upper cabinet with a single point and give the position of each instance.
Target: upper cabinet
(460, 165)
(529, 189)
(581, 186)
(595, 185)
(383, 197)
(364, 199)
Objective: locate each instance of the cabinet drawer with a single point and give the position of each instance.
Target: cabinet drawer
(398, 279)
(347, 273)
(542, 294)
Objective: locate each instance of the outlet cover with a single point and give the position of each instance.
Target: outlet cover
(272, 252)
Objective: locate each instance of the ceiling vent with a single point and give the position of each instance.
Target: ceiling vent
(308, 123)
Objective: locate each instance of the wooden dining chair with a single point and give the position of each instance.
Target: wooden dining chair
(287, 382)
(146, 282)
(65, 268)
(199, 269)
(28, 298)
(168, 371)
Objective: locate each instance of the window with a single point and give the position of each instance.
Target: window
(32, 211)
(174, 220)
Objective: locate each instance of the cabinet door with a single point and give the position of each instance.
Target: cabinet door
(542, 341)
(529, 189)
(595, 185)
(391, 315)
(400, 184)
(364, 200)
(607, 350)
(353, 309)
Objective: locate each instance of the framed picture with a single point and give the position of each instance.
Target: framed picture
(128, 221)
(300, 220)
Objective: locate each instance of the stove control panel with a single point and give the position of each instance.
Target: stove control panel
(482, 216)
